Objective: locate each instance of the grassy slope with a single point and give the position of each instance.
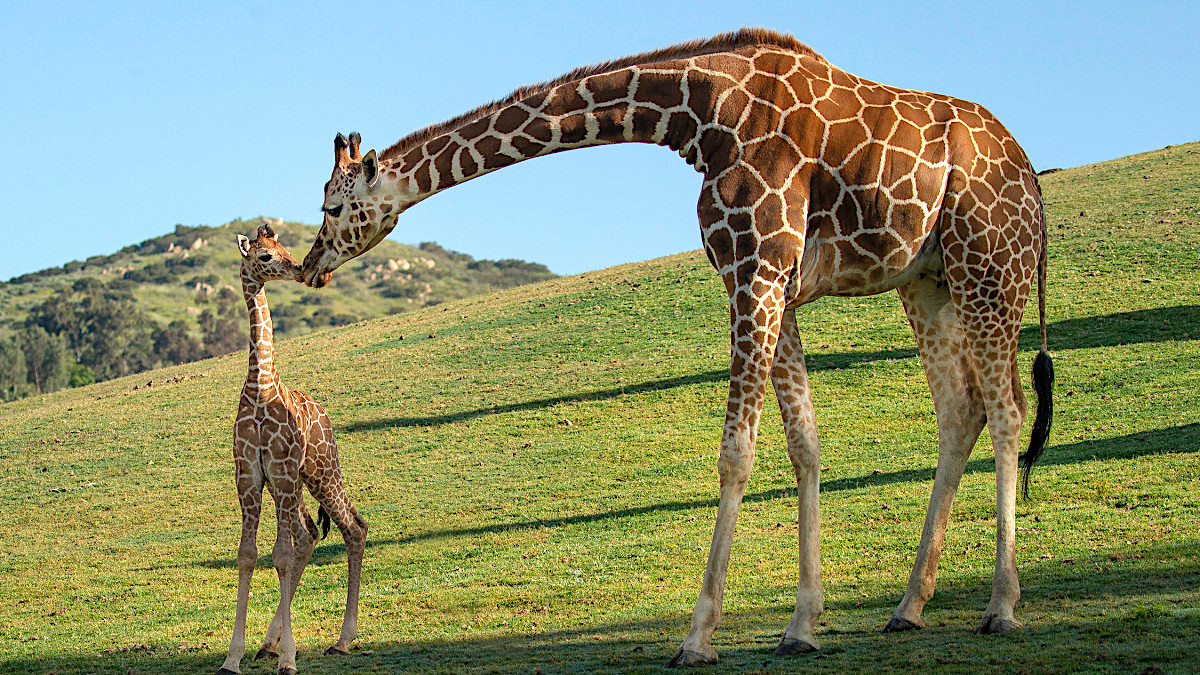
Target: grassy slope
(538, 469)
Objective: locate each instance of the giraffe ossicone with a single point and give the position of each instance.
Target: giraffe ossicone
(283, 441)
(816, 182)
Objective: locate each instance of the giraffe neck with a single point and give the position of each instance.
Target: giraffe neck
(672, 104)
(262, 381)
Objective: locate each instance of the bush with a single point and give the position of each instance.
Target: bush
(81, 376)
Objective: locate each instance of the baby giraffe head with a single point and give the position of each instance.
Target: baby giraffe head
(265, 259)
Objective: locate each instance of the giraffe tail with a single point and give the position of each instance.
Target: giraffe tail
(323, 521)
(1043, 378)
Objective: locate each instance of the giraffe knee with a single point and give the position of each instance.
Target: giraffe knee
(247, 557)
(733, 466)
(356, 537)
(805, 455)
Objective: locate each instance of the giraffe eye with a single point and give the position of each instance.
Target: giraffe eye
(334, 211)
(265, 257)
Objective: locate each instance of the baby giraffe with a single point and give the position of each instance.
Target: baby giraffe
(282, 438)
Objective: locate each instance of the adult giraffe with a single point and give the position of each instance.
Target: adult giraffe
(816, 182)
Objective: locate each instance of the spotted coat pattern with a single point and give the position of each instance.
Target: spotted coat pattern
(283, 440)
(816, 182)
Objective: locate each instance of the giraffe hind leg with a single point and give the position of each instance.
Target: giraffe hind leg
(989, 299)
(954, 385)
(335, 505)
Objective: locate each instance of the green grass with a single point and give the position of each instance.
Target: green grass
(538, 468)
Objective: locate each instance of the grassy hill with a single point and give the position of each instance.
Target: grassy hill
(538, 470)
(175, 275)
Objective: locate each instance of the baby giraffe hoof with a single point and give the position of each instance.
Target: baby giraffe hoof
(336, 651)
(789, 646)
(995, 626)
(287, 671)
(899, 625)
(225, 671)
(689, 658)
(264, 654)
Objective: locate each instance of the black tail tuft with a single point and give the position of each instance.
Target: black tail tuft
(1043, 384)
(323, 516)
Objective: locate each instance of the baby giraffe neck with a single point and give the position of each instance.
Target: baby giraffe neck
(261, 380)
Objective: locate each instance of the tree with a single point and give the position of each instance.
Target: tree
(59, 315)
(119, 338)
(221, 331)
(45, 359)
(174, 344)
(13, 371)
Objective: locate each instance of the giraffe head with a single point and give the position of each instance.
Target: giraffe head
(265, 259)
(358, 215)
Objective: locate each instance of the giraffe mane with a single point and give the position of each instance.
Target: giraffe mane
(744, 37)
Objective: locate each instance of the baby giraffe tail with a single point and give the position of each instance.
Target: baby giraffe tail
(323, 521)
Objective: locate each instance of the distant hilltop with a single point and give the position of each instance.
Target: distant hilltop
(177, 298)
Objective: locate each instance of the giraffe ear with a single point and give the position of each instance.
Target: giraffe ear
(340, 156)
(355, 140)
(370, 165)
(243, 245)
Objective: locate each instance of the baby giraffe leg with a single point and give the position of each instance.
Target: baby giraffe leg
(271, 639)
(354, 532)
(293, 547)
(251, 498)
(332, 494)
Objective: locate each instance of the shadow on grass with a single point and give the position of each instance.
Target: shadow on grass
(1145, 325)
(1135, 611)
(1184, 438)
(604, 394)
(1164, 324)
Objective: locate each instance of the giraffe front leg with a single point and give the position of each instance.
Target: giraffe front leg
(790, 377)
(280, 556)
(295, 554)
(246, 560)
(754, 335)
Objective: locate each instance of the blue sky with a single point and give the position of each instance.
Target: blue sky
(123, 119)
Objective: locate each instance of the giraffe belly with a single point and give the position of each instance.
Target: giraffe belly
(830, 266)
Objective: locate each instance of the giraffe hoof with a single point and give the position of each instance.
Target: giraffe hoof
(287, 671)
(995, 626)
(899, 625)
(226, 671)
(336, 651)
(788, 646)
(264, 654)
(689, 658)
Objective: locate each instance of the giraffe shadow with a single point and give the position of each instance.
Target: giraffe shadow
(1179, 439)
(1164, 324)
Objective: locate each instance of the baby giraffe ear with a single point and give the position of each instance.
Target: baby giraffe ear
(370, 164)
(243, 245)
